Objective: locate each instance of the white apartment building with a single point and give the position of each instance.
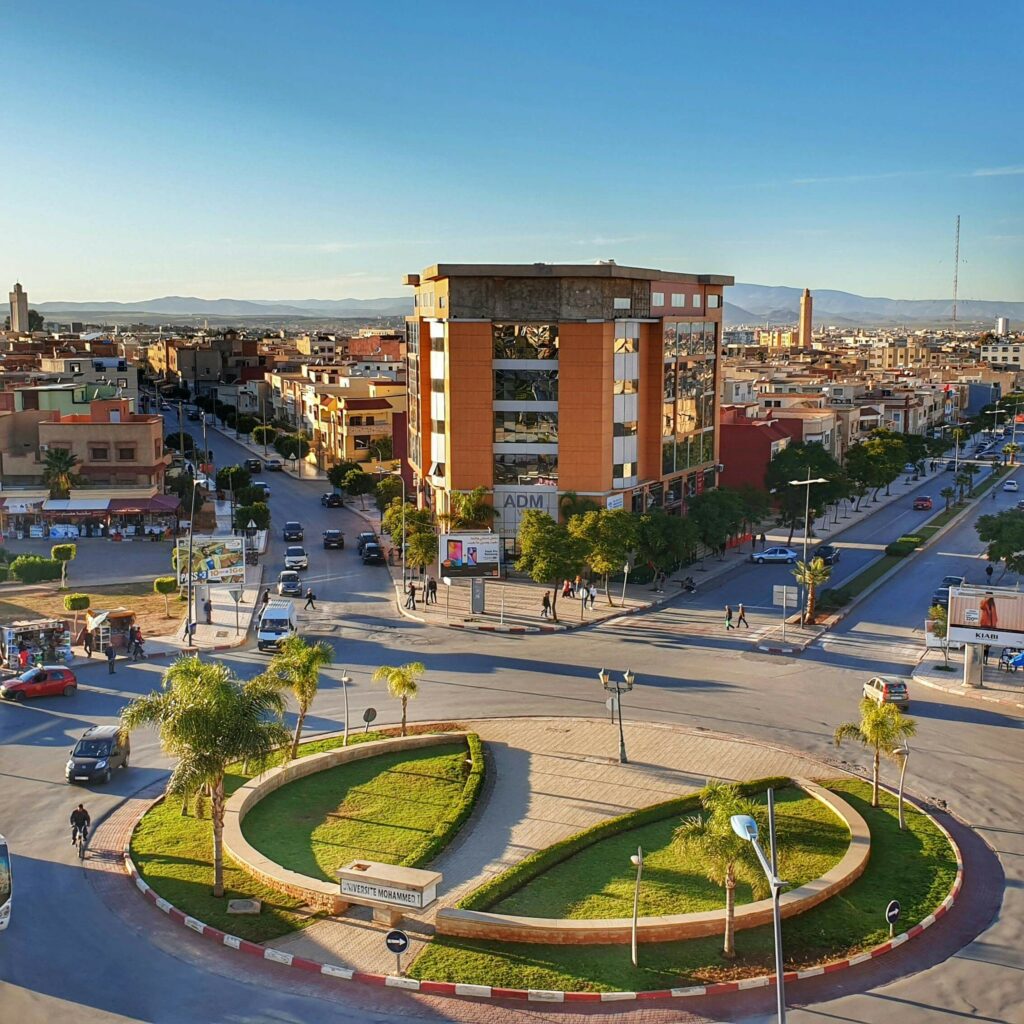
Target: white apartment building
(1004, 354)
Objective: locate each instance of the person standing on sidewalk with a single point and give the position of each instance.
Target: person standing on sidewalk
(592, 593)
(208, 611)
(410, 599)
(87, 643)
(111, 655)
(989, 569)
(545, 605)
(728, 618)
(310, 599)
(762, 539)
(431, 590)
(741, 616)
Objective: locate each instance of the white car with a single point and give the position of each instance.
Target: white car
(1011, 485)
(787, 555)
(295, 557)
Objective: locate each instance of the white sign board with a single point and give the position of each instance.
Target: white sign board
(615, 501)
(784, 597)
(979, 615)
(392, 894)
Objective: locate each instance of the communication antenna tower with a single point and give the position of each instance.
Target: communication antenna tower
(956, 264)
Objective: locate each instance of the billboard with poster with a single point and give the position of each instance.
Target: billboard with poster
(470, 554)
(214, 560)
(986, 616)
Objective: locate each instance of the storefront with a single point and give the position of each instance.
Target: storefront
(108, 628)
(70, 518)
(144, 517)
(22, 517)
(48, 641)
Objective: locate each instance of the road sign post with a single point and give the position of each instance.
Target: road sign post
(786, 597)
(236, 596)
(398, 942)
(892, 915)
(368, 716)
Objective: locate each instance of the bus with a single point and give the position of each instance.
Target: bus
(5, 884)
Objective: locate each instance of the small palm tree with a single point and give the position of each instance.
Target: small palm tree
(209, 719)
(812, 574)
(1011, 450)
(939, 618)
(949, 493)
(882, 727)
(571, 504)
(469, 509)
(297, 666)
(59, 471)
(970, 470)
(723, 856)
(402, 682)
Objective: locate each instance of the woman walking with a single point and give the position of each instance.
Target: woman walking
(741, 617)
(728, 618)
(545, 605)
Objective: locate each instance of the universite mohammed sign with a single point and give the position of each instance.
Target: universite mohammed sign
(382, 893)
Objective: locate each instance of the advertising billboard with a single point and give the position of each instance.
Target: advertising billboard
(214, 560)
(470, 554)
(979, 616)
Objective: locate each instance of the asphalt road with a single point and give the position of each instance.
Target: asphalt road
(69, 954)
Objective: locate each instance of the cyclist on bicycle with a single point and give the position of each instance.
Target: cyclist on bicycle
(80, 821)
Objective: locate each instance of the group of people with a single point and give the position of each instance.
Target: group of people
(135, 648)
(741, 617)
(587, 593)
(429, 593)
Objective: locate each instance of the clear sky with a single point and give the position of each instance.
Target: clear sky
(257, 149)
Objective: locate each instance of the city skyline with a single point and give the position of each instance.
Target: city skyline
(270, 159)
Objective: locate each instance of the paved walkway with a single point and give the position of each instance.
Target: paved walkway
(999, 687)
(548, 779)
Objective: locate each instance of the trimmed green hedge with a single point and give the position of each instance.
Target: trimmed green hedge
(35, 569)
(834, 598)
(456, 817)
(902, 547)
(537, 863)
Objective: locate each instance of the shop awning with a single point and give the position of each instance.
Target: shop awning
(76, 504)
(158, 503)
(21, 506)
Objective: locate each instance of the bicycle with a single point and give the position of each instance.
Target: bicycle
(81, 837)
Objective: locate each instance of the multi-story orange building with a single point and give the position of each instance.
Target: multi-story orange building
(534, 380)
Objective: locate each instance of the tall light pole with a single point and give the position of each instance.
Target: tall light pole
(903, 753)
(746, 828)
(345, 680)
(189, 623)
(637, 860)
(807, 515)
(617, 689)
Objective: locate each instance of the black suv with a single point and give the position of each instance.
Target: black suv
(332, 500)
(827, 553)
(366, 537)
(334, 539)
(373, 553)
(95, 756)
(253, 465)
(293, 531)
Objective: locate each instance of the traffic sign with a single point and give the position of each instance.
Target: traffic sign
(785, 597)
(396, 941)
(892, 911)
(236, 594)
(251, 525)
(612, 704)
(368, 716)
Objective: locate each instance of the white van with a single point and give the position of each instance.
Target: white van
(277, 623)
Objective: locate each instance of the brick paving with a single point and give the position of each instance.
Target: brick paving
(1006, 688)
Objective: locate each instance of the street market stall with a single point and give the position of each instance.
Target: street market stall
(46, 640)
(109, 628)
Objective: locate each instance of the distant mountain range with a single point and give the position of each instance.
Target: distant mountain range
(747, 304)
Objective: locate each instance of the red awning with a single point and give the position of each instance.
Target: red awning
(166, 503)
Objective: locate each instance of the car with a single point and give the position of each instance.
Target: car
(1011, 485)
(194, 415)
(253, 465)
(292, 530)
(332, 500)
(828, 553)
(787, 555)
(43, 681)
(289, 582)
(263, 486)
(366, 537)
(95, 756)
(334, 539)
(951, 465)
(295, 557)
(373, 553)
(941, 595)
(909, 467)
(1020, 505)
(922, 503)
(274, 465)
(888, 690)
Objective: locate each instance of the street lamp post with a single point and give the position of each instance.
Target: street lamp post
(807, 513)
(746, 828)
(637, 860)
(345, 680)
(617, 689)
(903, 753)
(189, 622)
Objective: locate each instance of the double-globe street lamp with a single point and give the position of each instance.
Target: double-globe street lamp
(807, 514)
(617, 689)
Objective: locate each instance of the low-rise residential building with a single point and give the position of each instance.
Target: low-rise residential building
(749, 441)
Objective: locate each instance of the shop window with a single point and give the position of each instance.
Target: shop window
(99, 454)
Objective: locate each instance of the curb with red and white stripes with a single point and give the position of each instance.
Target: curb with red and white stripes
(447, 988)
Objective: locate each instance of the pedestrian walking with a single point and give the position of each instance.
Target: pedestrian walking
(728, 618)
(266, 597)
(741, 616)
(410, 596)
(22, 657)
(431, 590)
(762, 539)
(984, 653)
(592, 593)
(577, 583)
(566, 589)
(208, 611)
(989, 569)
(310, 599)
(136, 643)
(87, 643)
(111, 655)
(545, 605)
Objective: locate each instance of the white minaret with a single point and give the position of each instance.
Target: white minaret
(19, 309)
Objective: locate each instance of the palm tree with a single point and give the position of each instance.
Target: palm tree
(209, 720)
(402, 682)
(297, 665)
(970, 470)
(571, 504)
(882, 727)
(59, 471)
(949, 493)
(723, 856)
(961, 480)
(812, 575)
(1011, 450)
(469, 509)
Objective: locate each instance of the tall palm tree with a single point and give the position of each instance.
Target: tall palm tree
(571, 504)
(209, 719)
(882, 727)
(402, 682)
(723, 856)
(297, 665)
(1011, 450)
(949, 493)
(59, 471)
(812, 574)
(469, 509)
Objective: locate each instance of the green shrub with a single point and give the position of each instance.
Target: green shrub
(3, 574)
(834, 598)
(35, 569)
(456, 816)
(903, 547)
(233, 476)
(537, 863)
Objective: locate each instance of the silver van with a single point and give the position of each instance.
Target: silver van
(277, 623)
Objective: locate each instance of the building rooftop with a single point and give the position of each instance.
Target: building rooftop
(593, 270)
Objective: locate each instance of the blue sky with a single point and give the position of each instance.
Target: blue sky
(322, 149)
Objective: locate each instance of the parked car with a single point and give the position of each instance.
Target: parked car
(289, 582)
(941, 595)
(263, 486)
(366, 537)
(1011, 485)
(46, 681)
(373, 553)
(774, 555)
(888, 690)
(274, 465)
(331, 500)
(195, 415)
(295, 557)
(95, 756)
(922, 503)
(1020, 505)
(292, 530)
(828, 553)
(951, 465)
(253, 465)
(334, 539)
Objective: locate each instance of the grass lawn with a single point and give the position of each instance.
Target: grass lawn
(599, 880)
(916, 866)
(384, 808)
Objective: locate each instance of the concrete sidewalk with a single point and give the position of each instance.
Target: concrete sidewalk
(999, 687)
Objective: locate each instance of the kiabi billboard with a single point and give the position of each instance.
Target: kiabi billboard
(978, 616)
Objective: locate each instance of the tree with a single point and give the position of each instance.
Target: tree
(165, 585)
(249, 495)
(246, 424)
(571, 504)
(882, 728)
(1010, 451)
(402, 682)
(723, 856)
(663, 540)
(754, 504)
(59, 472)
(259, 513)
(64, 553)
(209, 719)
(35, 320)
(292, 446)
(420, 550)
(337, 473)
(297, 665)
(1004, 534)
(386, 490)
(549, 553)
(717, 515)
(939, 618)
(949, 493)
(608, 538)
(384, 449)
(233, 478)
(179, 442)
(469, 510)
(358, 484)
(812, 574)
(876, 461)
(76, 603)
(264, 435)
(417, 520)
(181, 484)
(970, 470)
(796, 462)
